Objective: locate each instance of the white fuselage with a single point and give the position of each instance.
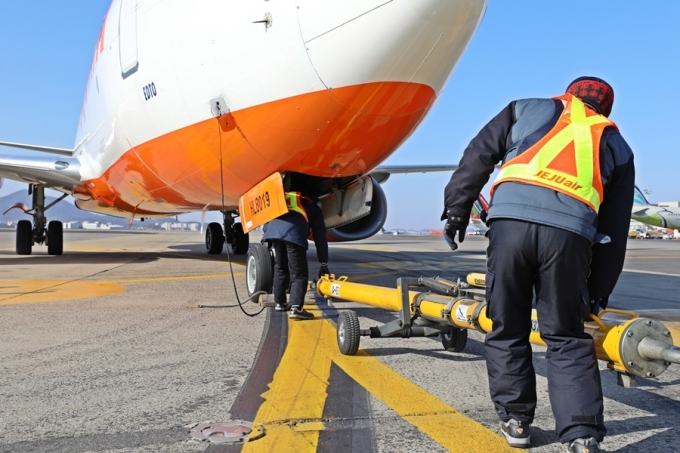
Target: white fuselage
(326, 88)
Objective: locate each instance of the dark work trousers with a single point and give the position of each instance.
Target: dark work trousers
(523, 257)
(291, 259)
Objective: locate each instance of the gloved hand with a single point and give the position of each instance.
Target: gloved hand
(594, 306)
(323, 270)
(455, 225)
(483, 216)
(587, 309)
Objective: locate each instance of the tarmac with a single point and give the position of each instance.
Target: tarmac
(105, 349)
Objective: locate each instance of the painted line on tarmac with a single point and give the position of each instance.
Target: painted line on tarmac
(202, 258)
(380, 274)
(20, 291)
(293, 406)
(169, 279)
(292, 413)
(656, 257)
(38, 291)
(650, 272)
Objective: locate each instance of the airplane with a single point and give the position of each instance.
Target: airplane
(654, 215)
(189, 106)
(480, 208)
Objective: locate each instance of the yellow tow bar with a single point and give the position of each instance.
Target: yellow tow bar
(631, 346)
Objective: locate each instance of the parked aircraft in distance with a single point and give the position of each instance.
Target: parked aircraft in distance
(664, 217)
(191, 105)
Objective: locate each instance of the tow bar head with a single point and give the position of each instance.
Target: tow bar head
(633, 356)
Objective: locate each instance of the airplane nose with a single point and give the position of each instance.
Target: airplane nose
(353, 42)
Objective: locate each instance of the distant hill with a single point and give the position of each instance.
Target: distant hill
(65, 211)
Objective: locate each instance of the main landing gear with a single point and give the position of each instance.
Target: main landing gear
(232, 234)
(39, 232)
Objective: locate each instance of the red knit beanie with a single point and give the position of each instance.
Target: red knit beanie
(595, 92)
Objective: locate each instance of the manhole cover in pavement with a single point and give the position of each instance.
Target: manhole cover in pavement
(223, 432)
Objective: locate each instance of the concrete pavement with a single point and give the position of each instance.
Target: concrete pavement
(104, 350)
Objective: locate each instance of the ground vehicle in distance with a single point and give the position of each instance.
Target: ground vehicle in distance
(655, 234)
(637, 234)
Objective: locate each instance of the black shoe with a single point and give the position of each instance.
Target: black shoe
(516, 433)
(300, 313)
(282, 307)
(584, 446)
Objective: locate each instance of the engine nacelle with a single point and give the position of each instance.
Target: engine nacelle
(366, 226)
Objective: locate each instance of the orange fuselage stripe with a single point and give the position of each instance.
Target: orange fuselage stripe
(330, 133)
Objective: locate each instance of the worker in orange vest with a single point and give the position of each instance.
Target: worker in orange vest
(558, 223)
(289, 235)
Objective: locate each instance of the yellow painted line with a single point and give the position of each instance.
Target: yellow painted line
(669, 318)
(294, 403)
(169, 279)
(674, 328)
(296, 397)
(16, 291)
(438, 420)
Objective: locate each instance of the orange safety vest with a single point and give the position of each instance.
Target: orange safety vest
(294, 204)
(566, 159)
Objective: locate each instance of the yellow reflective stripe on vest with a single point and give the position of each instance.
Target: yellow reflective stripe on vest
(294, 204)
(537, 171)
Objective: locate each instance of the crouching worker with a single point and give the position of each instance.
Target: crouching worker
(288, 235)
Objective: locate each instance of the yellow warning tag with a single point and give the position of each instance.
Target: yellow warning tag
(264, 202)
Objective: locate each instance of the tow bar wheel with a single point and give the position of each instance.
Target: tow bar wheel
(348, 332)
(454, 340)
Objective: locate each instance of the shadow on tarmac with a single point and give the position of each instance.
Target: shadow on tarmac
(8, 258)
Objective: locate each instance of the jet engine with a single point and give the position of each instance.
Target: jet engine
(363, 211)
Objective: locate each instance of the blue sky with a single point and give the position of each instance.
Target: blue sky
(527, 48)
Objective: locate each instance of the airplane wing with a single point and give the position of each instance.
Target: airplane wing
(52, 171)
(42, 149)
(383, 172)
(640, 213)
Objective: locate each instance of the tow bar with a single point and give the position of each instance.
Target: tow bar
(632, 346)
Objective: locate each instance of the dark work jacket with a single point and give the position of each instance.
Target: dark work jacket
(292, 227)
(514, 130)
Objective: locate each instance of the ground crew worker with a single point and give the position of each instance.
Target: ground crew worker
(559, 218)
(288, 235)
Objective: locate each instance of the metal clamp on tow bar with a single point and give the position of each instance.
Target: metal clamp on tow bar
(474, 318)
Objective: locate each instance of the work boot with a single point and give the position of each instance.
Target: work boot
(300, 313)
(282, 307)
(584, 446)
(516, 433)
